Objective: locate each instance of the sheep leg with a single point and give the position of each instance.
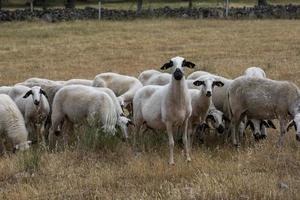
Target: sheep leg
(282, 123)
(171, 143)
(190, 134)
(185, 140)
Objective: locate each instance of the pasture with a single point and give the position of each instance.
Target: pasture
(83, 49)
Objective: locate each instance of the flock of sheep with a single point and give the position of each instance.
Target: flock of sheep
(48, 109)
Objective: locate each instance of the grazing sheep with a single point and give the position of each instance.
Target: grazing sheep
(146, 75)
(123, 86)
(12, 124)
(263, 99)
(166, 107)
(255, 72)
(79, 82)
(77, 103)
(35, 110)
(5, 89)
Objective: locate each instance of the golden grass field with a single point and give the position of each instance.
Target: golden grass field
(83, 49)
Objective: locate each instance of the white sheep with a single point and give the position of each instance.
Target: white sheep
(255, 72)
(12, 123)
(5, 89)
(35, 109)
(123, 86)
(201, 100)
(146, 75)
(262, 99)
(166, 107)
(78, 82)
(76, 103)
(258, 127)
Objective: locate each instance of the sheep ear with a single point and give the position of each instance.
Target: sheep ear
(130, 123)
(198, 83)
(188, 64)
(43, 93)
(211, 117)
(27, 94)
(218, 83)
(271, 124)
(290, 124)
(167, 65)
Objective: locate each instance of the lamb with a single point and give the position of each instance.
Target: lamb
(123, 86)
(166, 107)
(12, 123)
(146, 75)
(79, 82)
(35, 110)
(76, 103)
(263, 99)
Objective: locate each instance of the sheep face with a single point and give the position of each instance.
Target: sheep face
(177, 65)
(36, 93)
(216, 118)
(208, 83)
(296, 123)
(257, 125)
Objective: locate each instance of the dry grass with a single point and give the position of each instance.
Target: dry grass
(84, 49)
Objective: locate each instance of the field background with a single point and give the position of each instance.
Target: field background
(83, 49)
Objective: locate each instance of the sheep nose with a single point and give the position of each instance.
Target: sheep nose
(220, 129)
(208, 93)
(36, 102)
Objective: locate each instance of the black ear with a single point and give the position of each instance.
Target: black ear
(218, 83)
(198, 83)
(130, 123)
(271, 124)
(290, 124)
(210, 117)
(167, 65)
(249, 123)
(43, 93)
(188, 64)
(27, 94)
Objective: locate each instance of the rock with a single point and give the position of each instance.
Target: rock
(282, 185)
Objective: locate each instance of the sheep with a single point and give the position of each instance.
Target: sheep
(78, 82)
(50, 87)
(255, 72)
(146, 75)
(35, 110)
(123, 86)
(258, 127)
(166, 107)
(262, 99)
(12, 124)
(195, 75)
(5, 89)
(76, 103)
(201, 100)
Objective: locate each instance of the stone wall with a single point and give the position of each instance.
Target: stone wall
(56, 15)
